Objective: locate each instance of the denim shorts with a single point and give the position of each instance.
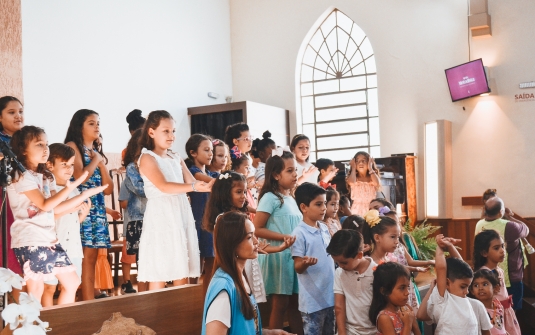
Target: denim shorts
(319, 323)
(42, 263)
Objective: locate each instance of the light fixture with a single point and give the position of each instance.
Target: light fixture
(437, 167)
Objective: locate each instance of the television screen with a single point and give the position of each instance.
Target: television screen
(467, 80)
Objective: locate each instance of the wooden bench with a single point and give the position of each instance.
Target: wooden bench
(166, 311)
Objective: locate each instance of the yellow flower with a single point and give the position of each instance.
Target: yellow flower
(372, 218)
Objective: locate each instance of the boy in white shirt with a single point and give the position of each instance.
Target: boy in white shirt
(352, 283)
(447, 304)
(68, 214)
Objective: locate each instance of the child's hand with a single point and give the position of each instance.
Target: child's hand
(288, 242)
(84, 208)
(421, 269)
(95, 190)
(308, 172)
(116, 215)
(407, 315)
(309, 261)
(71, 185)
(259, 184)
(366, 247)
(262, 245)
(370, 164)
(431, 262)
(250, 182)
(202, 186)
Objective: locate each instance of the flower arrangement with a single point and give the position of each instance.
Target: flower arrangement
(23, 315)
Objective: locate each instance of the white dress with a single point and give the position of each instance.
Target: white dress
(168, 246)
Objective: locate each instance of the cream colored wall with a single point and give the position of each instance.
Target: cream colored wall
(414, 41)
(115, 56)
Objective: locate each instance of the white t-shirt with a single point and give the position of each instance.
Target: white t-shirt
(455, 315)
(219, 310)
(32, 227)
(358, 291)
(68, 230)
(313, 178)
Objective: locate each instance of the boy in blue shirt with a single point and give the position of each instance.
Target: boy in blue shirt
(314, 267)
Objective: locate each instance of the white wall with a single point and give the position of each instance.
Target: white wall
(115, 56)
(414, 41)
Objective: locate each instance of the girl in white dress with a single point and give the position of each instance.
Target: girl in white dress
(168, 247)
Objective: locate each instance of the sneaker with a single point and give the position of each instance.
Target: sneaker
(127, 287)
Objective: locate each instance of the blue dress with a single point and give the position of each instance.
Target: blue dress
(94, 230)
(198, 202)
(278, 268)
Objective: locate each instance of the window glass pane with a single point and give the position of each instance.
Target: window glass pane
(306, 89)
(306, 73)
(320, 64)
(366, 48)
(326, 86)
(375, 151)
(324, 53)
(309, 57)
(351, 49)
(370, 65)
(357, 34)
(373, 108)
(344, 22)
(372, 81)
(319, 75)
(307, 106)
(340, 155)
(308, 129)
(328, 24)
(356, 60)
(343, 38)
(312, 158)
(360, 69)
(341, 113)
(340, 99)
(342, 141)
(351, 126)
(316, 40)
(374, 131)
(332, 43)
(353, 83)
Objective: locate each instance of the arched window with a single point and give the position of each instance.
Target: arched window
(338, 80)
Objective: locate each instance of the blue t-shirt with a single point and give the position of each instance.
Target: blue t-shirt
(316, 283)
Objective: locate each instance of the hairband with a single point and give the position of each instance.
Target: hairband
(235, 152)
(355, 223)
(384, 210)
(215, 142)
(279, 151)
(372, 217)
(224, 176)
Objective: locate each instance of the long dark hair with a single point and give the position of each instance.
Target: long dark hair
(192, 144)
(482, 244)
(135, 120)
(385, 278)
(19, 143)
(259, 145)
(220, 200)
(75, 133)
(132, 148)
(380, 228)
(3, 104)
(234, 131)
(153, 121)
(296, 139)
(228, 234)
(489, 275)
(274, 165)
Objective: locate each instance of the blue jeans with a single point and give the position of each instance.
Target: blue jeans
(319, 323)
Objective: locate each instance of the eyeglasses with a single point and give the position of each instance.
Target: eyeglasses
(246, 139)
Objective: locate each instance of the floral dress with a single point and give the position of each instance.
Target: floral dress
(396, 321)
(94, 230)
(362, 193)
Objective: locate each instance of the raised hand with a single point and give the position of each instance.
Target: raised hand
(71, 185)
(407, 315)
(421, 269)
(310, 260)
(308, 172)
(288, 242)
(262, 245)
(370, 163)
(95, 190)
(84, 207)
(202, 186)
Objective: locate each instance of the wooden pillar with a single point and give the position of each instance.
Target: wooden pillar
(10, 48)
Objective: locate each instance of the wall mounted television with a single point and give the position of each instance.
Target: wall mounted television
(467, 80)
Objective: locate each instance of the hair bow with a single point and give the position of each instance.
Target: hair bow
(372, 217)
(279, 151)
(384, 210)
(355, 223)
(215, 142)
(235, 152)
(224, 176)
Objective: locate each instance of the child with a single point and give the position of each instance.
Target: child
(262, 150)
(314, 267)
(344, 210)
(484, 288)
(352, 284)
(389, 310)
(33, 232)
(489, 252)
(135, 205)
(228, 194)
(327, 172)
(221, 159)
(169, 244)
(241, 164)
(364, 182)
(306, 172)
(83, 135)
(447, 304)
(331, 214)
(199, 149)
(383, 234)
(238, 135)
(68, 214)
(276, 217)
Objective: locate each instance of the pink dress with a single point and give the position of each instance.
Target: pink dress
(496, 315)
(362, 193)
(396, 321)
(400, 255)
(333, 225)
(511, 323)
